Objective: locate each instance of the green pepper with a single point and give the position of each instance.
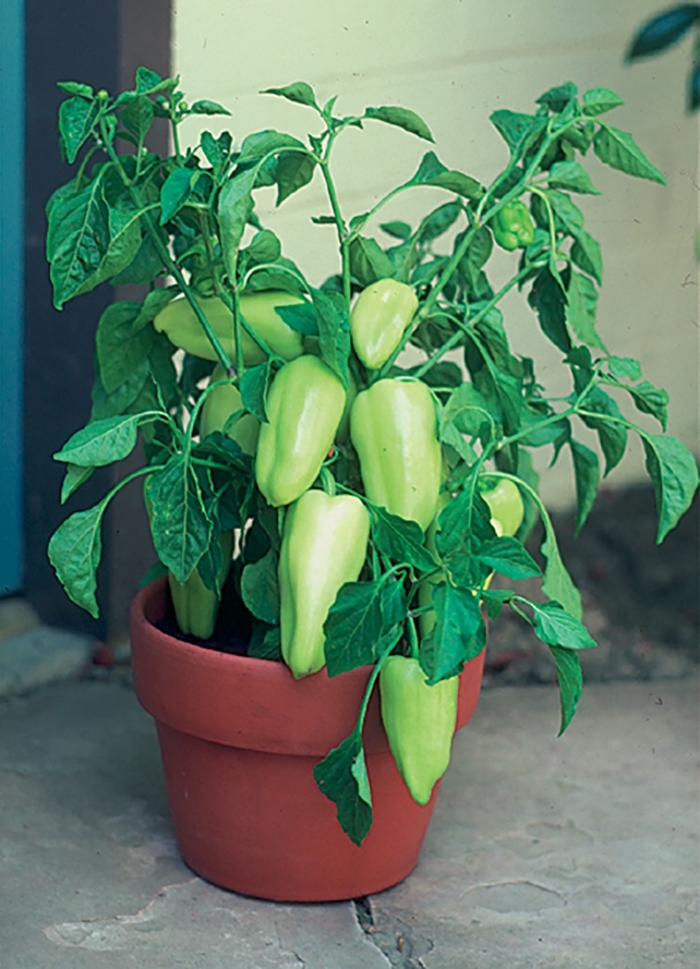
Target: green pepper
(221, 404)
(196, 606)
(178, 321)
(512, 226)
(506, 506)
(419, 721)
(379, 318)
(393, 428)
(304, 407)
(324, 544)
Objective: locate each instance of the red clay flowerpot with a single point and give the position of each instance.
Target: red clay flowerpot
(239, 740)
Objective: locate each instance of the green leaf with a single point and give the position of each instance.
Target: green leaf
(650, 400)
(401, 540)
(337, 777)
(302, 317)
(618, 149)
(664, 30)
(300, 92)
(557, 583)
(293, 170)
(75, 550)
(399, 230)
(264, 247)
(333, 331)
(570, 682)
(567, 213)
(459, 633)
(148, 82)
(77, 240)
(612, 434)
(75, 87)
(261, 143)
(622, 367)
(507, 556)
(599, 100)
(495, 599)
(585, 252)
(265, 642)
(572, 176)
(439, 221)
(101, 442)
(146, 265)
(402, 118)
(353, 626)
(587, 475)
(548, 300)
(75, 475)
(208, 107)
(176, 190)
(179, 525)
(582, 298)
(519, 131)
(76, 119)
(557, 98)
(119, 349)
(234, 209)
(368, 261)
(431, 171)
(557, 627)
(137, 116)
(260, 588)
(253, 387)
(674, 475)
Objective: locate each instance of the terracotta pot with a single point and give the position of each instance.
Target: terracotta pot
(239, 739)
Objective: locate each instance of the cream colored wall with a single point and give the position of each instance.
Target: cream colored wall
(454, 62)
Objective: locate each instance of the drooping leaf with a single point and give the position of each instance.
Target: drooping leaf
(402, 118)
(587, 476)
(77, 240)
(585, 252)
(557, 627)
(650, 400)
(342, 777)
(570, 680)
(401, 540)
(119, 349)
(294, 170)
(618, 149)
(519, 131)
(674, 475)
(75, 475)
(260, 588)
(176, 190)
(548, 300)
(581, 301)
(75, 550)
(611, 433)
(557, 583)
(253, 387)
(507, 556)
(333, 331)
(353, 627)
(179, 525)
(459, 633)
(368, 261)
(76, 119)
(234, 209)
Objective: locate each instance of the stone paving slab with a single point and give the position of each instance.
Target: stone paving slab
(543, 853)
(41, 655)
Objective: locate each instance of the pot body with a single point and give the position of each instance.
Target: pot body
(239, 740)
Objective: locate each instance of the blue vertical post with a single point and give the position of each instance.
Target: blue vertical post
(11, 285)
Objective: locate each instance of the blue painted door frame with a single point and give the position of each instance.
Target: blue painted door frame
(11, 285)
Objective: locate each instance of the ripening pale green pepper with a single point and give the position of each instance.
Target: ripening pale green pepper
(220, 404)
(197, 607)
(324, 544)
(178, 321)
(419, 721)
(512, 226)
(304, 407)
(379, 318)
(393, 428)
(506, 506)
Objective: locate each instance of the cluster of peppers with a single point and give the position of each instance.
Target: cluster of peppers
(392, 426)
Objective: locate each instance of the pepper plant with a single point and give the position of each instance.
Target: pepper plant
(371, 500)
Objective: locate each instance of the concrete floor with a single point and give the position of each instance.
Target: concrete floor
(542, 854)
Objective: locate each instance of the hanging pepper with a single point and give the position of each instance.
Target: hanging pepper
(393, 428)
(178, 321)
(304, 407)
(506, 506)
(220, 405)
(324, 544)
(379, 318)
(512, 226)
(419, 721)
(196, 606)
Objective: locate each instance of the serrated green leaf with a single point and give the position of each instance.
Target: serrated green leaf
(402, 118)
(260, 588)
(618, 149)
(674, 475)
(75, 550)
(337, 778)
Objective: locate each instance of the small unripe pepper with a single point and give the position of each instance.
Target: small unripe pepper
(506, 506)
(304, 407)
(220, 404)
(196, 606)
(393, 428)
(324, 544)
(379, 318)
(419, 721)
(512, 226)
(178, 321)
